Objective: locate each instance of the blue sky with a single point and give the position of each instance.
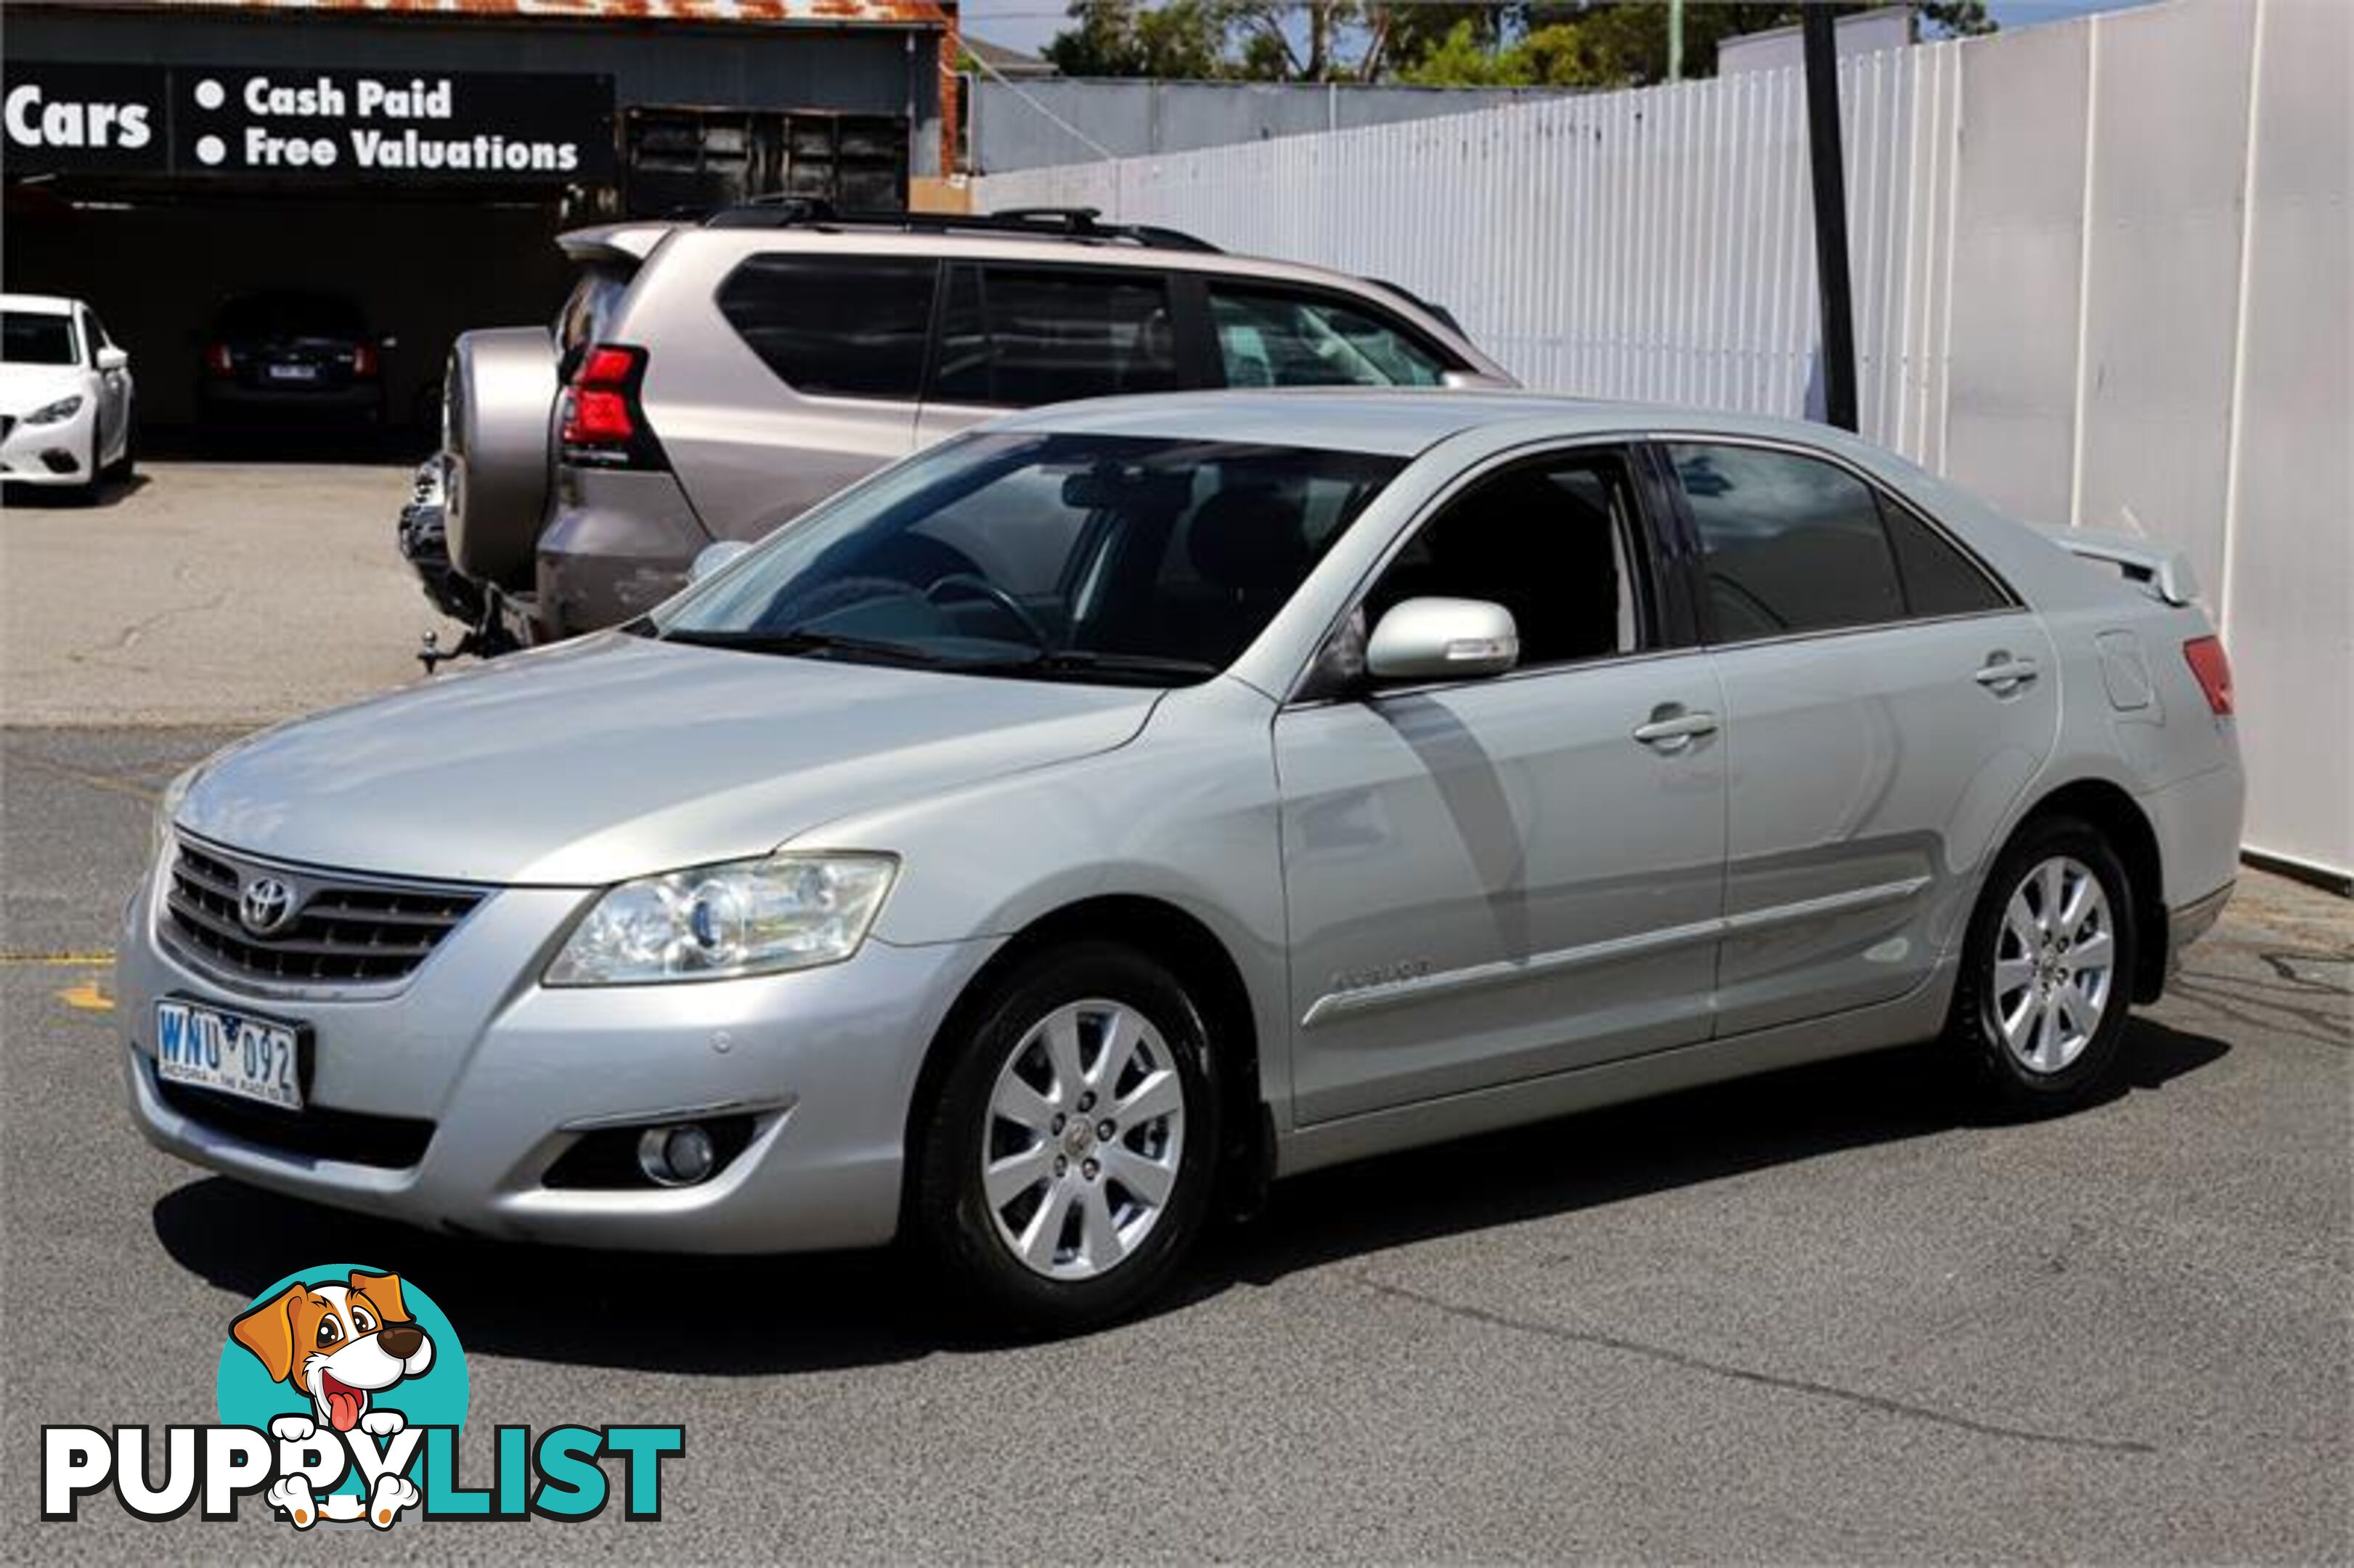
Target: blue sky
(1028, 24)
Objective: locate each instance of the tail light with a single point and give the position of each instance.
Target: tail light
(2206, 660)
(364, 360)
(604, 423)
(217, 360)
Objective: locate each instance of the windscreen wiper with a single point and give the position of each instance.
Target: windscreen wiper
(1094, 661)
(800, 641)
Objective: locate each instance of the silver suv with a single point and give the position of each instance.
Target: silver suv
(708, 381)
(1101, 813)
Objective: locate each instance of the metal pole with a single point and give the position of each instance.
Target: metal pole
(1675, 40)
(1830, 216)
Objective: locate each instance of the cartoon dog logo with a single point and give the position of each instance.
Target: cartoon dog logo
(339, 1343)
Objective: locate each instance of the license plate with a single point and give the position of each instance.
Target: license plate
(234, 1053)
(294, 373)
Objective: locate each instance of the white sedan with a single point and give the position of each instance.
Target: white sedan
(65, 397)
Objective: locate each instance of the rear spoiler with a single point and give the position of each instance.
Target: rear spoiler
(622, 244)
(2165, 573)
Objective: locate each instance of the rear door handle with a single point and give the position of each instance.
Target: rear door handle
(2006, 675)
(1673, 731)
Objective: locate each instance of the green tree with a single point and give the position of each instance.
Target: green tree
(1183, 39)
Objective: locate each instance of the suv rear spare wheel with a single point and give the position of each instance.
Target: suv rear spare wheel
(500, 414)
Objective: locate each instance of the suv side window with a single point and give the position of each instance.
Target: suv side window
(1555, 540)
(1280, 339)
(836, 326)
(1016, 337)
(1795, 544)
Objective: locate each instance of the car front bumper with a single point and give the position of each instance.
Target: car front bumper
(511, 1075)
(57, 453)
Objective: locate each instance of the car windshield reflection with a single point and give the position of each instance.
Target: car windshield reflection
(1119, 559)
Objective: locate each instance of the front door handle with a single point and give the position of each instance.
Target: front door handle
(2004, 676)
(1672, 729)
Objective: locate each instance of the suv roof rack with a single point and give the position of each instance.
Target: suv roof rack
(1073, 223)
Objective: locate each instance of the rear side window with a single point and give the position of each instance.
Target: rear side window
(1794, 543)
(1016, 337)
(1789, 544)
(1267, 339)
(1939, 579)
(836, 326)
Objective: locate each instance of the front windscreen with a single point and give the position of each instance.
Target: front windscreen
(1048, 555)
(28, 337)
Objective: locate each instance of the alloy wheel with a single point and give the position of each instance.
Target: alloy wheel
(2055, 965)
(1084, 1139)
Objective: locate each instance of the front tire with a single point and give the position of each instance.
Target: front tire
(2039, 1015)
(1068, 1153)
(124, 467)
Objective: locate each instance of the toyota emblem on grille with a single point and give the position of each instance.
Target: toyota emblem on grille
(266, 905)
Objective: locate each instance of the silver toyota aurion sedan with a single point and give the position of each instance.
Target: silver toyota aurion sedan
(1083, 822)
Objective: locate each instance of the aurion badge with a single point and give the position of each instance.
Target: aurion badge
(266, 905)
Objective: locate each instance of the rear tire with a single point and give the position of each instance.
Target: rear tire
(2039, 1013)
(1047, 1221)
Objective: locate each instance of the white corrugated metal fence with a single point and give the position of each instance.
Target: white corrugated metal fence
(2104, 275)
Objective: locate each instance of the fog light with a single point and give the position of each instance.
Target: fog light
(677, 1156)
(56, 459)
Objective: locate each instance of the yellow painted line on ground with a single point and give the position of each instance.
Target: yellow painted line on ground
(87, 998)
(106, 781)
(58, 960)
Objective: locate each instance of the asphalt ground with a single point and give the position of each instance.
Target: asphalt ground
(1823, 1316)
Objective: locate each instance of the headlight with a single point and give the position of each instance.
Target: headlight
(167, 806)
(749, 918)
(49, 414)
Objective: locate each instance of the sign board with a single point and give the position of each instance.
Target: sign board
(286, 123)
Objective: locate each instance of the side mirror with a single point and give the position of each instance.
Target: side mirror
(1442, 640)
(112, 358)
(715, 557)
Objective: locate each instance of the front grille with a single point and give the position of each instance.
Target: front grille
(349, 1138)
(343, 929)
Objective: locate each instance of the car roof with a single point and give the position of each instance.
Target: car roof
(1398, 423)
(40, 304)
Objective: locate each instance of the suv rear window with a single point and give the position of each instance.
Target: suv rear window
(1016, 337)
(836, 326)
(588, 310)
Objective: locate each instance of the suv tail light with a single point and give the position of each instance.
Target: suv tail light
(604, 424)
(364, 359)
(2205, 656)
(217, 360)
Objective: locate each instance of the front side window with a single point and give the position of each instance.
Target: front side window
(1072, 557)
(1014, 338)
(1267, 339)
(37, 337)
(836, 326)
(1552, 540)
